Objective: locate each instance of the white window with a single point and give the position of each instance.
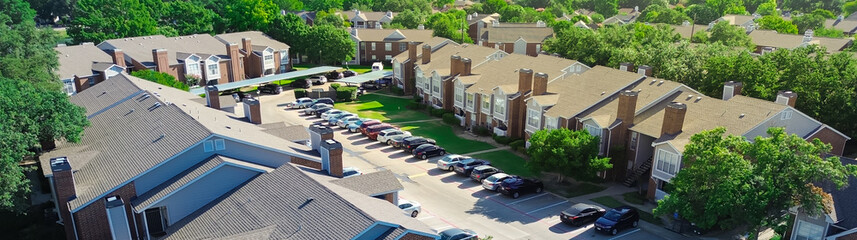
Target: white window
(213, 71)
(373, 46)
(596, 131)
(500, 106)
(68, 86)
(403, 47)
(634, 136)
(193, 68)
(667, 162)
(469, 101)
(388, 47)
(538, 48)
(219, 144)
(92, 81)
(533, 117)
(269, 57)
(373, 56)
(284, 57)
(208, 146)
(550, 123)
(786, 115)
(486, 103)
(459, 95)
(388, 57)
(808, 231)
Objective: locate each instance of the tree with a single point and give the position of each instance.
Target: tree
(702, 14)
(824, 13)
(768, 8)
(451, 24)
(828, 32)
(608, 8)
(849, 7)
(349, 4)
(160, 78)
(291, 29)
(808, 21)
(728, 181)
(331, 18)
(409, 19)
(401, 5)
(597, 18)
(733, 36)
(49, 9)
(28, 53)
(188, 18)
(249, 15)
(660, 14)
(570, 153)
(442, 3)
(323, 5)
(99, 20)
(806, 6)
(338, 46)
(493, 6)
(776, 23)
(290, 5)
(699, 37)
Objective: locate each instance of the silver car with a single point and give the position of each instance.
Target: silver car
(450, 160)
(385, 135)
(327, 115)
(343, 122)
(493, 181)
(311, 110)
(300, 103)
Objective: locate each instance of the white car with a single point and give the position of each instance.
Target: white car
(318, 79)
(300, 103)
(385, 135)
(450, 160)
(493, 181)
(350, 172)
(326, 115)
(311, 109)
(410, 208)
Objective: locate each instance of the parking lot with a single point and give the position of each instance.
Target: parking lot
(452, 201)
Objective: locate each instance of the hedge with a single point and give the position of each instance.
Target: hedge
(335, 86)
(398, 91)
(160, 78)
(503, 139)
(517, 145)
(300, 92)
(418, 99)
(450, 119)
(437, 112)
(482, 131)
(346, 93)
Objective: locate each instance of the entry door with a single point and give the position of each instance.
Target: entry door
(156, 221)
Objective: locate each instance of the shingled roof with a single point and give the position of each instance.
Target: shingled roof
(511, 32)
(770, 38)
(140, 48)
(256, 39)
(372, 184)
(78, 60)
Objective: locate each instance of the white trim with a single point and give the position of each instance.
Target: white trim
(359, 235)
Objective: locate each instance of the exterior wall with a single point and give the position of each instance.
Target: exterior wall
(306, 163)
(253, 65)
(91, 221)
(852, 236)
(658, 173)
(390, 197)
(830, 137)
(447, 91)
(516, 117)
(644, 150)
(365, 53)
(532, 105)
(807, 219)
(798, 124)
(82, 83)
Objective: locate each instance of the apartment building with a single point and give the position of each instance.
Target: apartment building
(847, 26)
(403, 64)
(210, 59)
(163, 166)
(374, 45)
(518, 38)
(625, 16)
(361, 19)
(476, 23)
(748, 22)
(840, 223)
(769, 40)
(82, 66)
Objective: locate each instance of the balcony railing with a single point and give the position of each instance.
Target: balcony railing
(499, 132)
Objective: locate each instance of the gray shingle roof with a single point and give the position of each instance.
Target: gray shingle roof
(140, 48)
(509, 33)
(176, 182)
(225, 101)
(289, 133)
(77, 60)
(256, 39)
(104, 94)
(844, 199)
(372, 184)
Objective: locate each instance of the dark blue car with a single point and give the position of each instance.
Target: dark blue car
(617, 219)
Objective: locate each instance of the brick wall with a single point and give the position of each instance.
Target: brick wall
(306, 163)
(413, 236)
(91, 221)
(390, 197)
(336, 162)
(379, 52)
(830, 137)
(224, 72)
(852, 236)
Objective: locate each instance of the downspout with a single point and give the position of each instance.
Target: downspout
(609, 136)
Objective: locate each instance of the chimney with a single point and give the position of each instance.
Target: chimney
(731, 89)
(453, 64)
(318, 134)
(236, 72)
(426, 53)
(252, 110)
(331, 157)
(212, 96)
(540, 84)
(466, 66)
(248, 47)
(412, 51)
(645, 70)
(673, 118)
(495, 23)
(626, 66)
(63, 183)
(540, 23)
(160, 58)
(627, 107)
(807, 36)
(469, 17)
(118, 57)
(786, 98)
(389, 14)
(354, 31)
(525, 80)
(421, 27)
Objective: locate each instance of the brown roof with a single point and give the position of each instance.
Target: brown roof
(440, 59)
(78, 60)
(436, 43)
(508, 33)
(579, 92)
(844, 25)
(503, 73)
(140, 48)
(687, 31)
(256, 39)
(389, 35)
(649, 91)
(737, 19)
(368, 16)
(770, 38)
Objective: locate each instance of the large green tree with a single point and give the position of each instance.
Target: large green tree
(702, 14)
(733, 36)
(808, 21)
(338, 46)
(451, 24)
(661, 14)
(247, 15)
(401, 5)
(291, 29)
(567, 152)
(728, 181)
(608, 8)
(776, 23)
(322, 5)
(188, 18)
(99, 20)
(409, 18)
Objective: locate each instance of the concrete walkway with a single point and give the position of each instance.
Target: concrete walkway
(486, 151)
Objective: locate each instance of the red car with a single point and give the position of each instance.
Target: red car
(372, 131)
(366, 124)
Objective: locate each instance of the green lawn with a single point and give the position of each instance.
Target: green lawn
(634, 198)
(508, 162)
(384, 108)
(445, 137)
(570, 190)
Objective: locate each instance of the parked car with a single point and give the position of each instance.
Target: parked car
(320, 111)
(428, 150)
(617, 219)
(271, 88)
(351, 172)
(377, 66)
(493, 181)
(333, 75)
(482, 172)
(335, 120)
(449, 160)
(458, 234)
(515, 186)
(326, 116)
(366, 124)
(311, 109)
(372, 131)
(369, 85)
(581, 213)
(383, 136)
(317, 80)
(396, 141)
(410, 208)
(466, 166)
(344, 122)
(413, 142)
(301, 83)
(300, 103)
(327, 101)
(349, 73)
(355, 127)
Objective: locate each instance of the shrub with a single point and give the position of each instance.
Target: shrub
(517, 145)
(482, 131)
(346, 93)
(300, 92)
(415, 106)
(503, 139)
(418, 99)
(450, 119)
(160, 78)
(335, 86)
(396, 90)
(437, 112)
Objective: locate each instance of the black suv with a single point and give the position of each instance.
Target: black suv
(333, 75)
(301, 83)
(413, 142)
(482, 172)
(580, 213)
(466, 166)
(428, 150)
(514, 186)
(617, 219)
(271, 88)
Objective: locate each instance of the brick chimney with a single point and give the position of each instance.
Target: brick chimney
(331, 157)
(63, 182)
(540, 84)
(212, 96)
(731, 89)
(412, 50)
(118, 57)
(252, 110)
(409, 79)
(318, 134)
(426, 53)
(160, 58)
(786, 98)
(625, 112)
(645, 70)
(525, 80)
(673, 118)
(454, 64)
(465, 66)
(626, 66)
(236, 72)
(248, 47)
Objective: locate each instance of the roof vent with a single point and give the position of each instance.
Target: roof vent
(689, 96)
(698, 98)
(602, 93)
(741, 116)
(661, 82)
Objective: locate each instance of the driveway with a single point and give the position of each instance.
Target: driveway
(451, 201)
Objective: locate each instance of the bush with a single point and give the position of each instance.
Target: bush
(415, 106)
(396, 90)
(418, 99)
(437, 112)
(517, 145)
(450, 119)
(346, 93)
(335, 86)
(503, 139)
(300, 92)
(161, 78)
(482, 131)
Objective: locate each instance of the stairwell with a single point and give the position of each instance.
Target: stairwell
(642, 169)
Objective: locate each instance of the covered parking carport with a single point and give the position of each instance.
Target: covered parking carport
(267, 79)
(370, 76)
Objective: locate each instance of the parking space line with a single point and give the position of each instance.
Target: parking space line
(525, 199)
(425, 217)
(418, 175)
(546, 207)
(625, 234)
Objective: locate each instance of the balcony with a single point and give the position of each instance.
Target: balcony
(660, 194)
(461, 118)
(499, 132)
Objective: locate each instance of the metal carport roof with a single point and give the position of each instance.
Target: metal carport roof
(267, 79)
(365, 77)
